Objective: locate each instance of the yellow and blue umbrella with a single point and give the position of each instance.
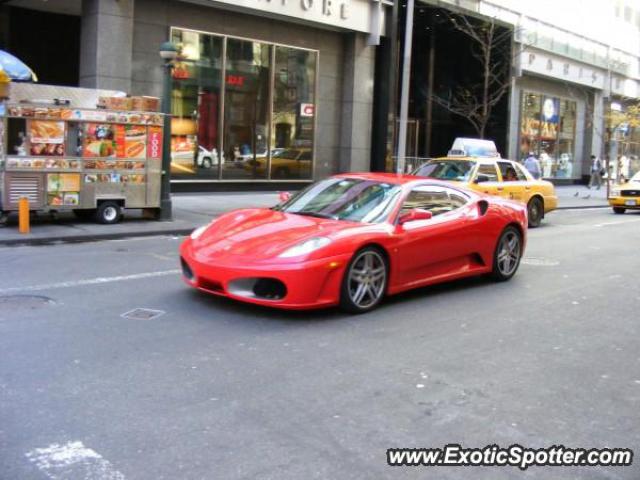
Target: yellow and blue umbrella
(16, 69)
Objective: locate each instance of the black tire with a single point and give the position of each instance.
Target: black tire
(375, 281)
(535, 212)
(514, 252)
(619, 210)
(206, 162)
(108, 213)
(84, 214)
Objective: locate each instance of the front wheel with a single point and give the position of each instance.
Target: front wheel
(365, 281)
(619, 210)
(506, 258)
(206, 162)
(535, 210)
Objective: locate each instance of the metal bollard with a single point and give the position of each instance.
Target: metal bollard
(23, 215)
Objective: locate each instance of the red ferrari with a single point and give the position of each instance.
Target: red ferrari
(351, 239)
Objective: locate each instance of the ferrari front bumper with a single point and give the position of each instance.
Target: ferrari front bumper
(297, 286)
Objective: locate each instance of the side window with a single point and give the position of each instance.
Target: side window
(437, 200)
(508, 172)
(520, 172)
(489, 170)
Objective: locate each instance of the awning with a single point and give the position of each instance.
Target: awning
(16, 69)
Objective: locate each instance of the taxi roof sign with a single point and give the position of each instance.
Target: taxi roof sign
(473, 147)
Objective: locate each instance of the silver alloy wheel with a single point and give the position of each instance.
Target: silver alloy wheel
(367, 279)
(509, 253)
(110, 213)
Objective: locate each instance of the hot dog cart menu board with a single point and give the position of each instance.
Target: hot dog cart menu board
(63, 189)
(105, 140)
(100, 140)
(46, 137)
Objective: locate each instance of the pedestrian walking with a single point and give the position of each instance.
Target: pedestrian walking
(533, 165)
(596, 172)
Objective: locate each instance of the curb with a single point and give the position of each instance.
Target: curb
(583, 207)
(43, 241)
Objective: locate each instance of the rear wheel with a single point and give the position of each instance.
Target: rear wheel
(506, 258)
(108, 213)
(535, 210)
(619, 210)
(365, 281)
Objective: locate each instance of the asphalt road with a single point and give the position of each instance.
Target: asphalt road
(211, 389)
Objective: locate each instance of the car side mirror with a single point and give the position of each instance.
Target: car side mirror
(415, 214)
(284, 196)
(481, 178)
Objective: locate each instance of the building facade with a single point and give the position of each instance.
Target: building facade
(573, 62)
(263, 90)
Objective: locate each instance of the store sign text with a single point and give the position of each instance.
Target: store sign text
(354, 15)
(328, 7)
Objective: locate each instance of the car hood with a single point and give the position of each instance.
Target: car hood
(262, 234)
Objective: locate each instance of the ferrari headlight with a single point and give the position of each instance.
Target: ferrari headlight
(198, 232)
(306, 247)
(615, 192)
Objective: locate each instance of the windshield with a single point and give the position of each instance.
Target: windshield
(636, 177)
(454, 170)
(351, 199)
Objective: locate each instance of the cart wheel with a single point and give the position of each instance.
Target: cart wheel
(108, 213)
(206, 162)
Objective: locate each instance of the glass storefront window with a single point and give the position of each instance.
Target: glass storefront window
(246, 110)
(195, 105)
(293, 113)
(247, 114)
(548, 129)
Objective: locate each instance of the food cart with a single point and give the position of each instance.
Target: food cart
(63, 155)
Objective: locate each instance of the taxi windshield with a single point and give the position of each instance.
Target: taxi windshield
(454, 170)
(635, 178)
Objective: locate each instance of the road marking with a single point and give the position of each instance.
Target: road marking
(89, 281)
(620, 222)
(72, 460)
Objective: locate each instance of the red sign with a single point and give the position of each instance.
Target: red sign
(155, 143)
(235, 80)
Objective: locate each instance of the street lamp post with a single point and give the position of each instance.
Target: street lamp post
(168, 52)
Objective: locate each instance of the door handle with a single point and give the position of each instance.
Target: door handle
(500, 189)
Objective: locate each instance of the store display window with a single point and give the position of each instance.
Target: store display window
(548, 129)
(242, 110)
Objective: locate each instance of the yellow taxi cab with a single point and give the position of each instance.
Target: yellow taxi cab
(626, 196)
(488, 173)
(285, 163)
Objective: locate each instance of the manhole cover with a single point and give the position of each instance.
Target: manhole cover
(539, 262)
(29, 302)
(142, 314)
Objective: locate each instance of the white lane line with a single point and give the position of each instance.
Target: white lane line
(620, 222)
(89, 281)
(72, 460)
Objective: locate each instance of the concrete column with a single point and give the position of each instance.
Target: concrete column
(357, 103)
(106, 44)
(598, 128)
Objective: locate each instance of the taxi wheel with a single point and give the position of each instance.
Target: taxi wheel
(535, 210)
(619, 210)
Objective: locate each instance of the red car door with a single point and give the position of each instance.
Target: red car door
(428, 249)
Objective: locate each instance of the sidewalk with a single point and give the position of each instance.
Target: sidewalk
(189, 211)
(193, 210)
